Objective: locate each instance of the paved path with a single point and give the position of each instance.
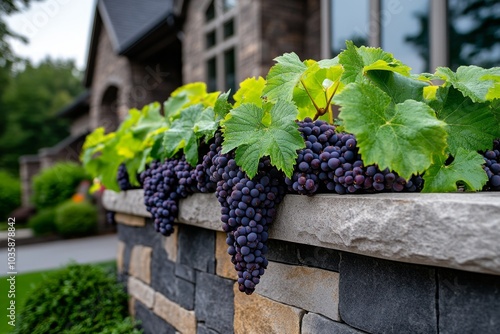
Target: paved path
(58, 253)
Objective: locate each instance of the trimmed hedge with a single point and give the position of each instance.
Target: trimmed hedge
(80, 299)
(56, 184)
(76, 219)
(10, 194)
(43, 222)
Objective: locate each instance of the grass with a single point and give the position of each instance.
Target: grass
(24, 284)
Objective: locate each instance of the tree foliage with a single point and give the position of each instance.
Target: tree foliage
(30, 103)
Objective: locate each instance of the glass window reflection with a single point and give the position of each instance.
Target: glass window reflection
(350, 21)
(405, 32)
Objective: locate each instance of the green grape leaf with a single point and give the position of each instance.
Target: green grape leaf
(466, 169)
(471, 126)
(174, 105)
(96, 138)
(494, 91)
(250, 91)
(150, 120)
(209, 120)
(473, 81)
(188, 95)
(206, 125)
(181, 135)
(358, 61)
(283, 77)
(222, 107)
(398, 87)
(402, 137)
(254, 134)
(495, 109)
(318, 86)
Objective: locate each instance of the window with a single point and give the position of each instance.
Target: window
(221, 41)
(405, 32)
(423, 34)
(474, 33)
(350, 21)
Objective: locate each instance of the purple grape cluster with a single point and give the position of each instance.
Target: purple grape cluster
(123, 179)
(164, 184)
(331, 162)
(202, 173)
(110, 218)
(492, 167)
(248, 207)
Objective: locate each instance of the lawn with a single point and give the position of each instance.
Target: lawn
(24, 283)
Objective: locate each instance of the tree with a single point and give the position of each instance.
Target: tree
(30, 103)
(473, 27)
(7, 56)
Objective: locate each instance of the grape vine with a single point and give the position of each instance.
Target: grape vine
(396, 132)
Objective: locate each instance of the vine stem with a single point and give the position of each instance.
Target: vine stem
(328, 103)
(315, 105)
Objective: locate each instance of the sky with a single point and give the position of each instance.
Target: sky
(55, 28)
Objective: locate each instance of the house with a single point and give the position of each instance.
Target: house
(140, 51)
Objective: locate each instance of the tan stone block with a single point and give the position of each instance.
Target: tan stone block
(258, 314)
(131, 306)
(183, 320)
(312, 289)
(120, 252)
(141, 291)
(171, 245)
(130, 220)
(224, 267)
(140, 263)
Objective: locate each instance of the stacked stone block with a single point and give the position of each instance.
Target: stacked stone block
(186, 283)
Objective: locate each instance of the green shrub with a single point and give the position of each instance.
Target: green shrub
(76, 219)
(10, 194)
(56, 184)
(44, 222)
(80, 299)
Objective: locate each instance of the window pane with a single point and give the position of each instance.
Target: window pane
(474, 33)
(228, 29)
(210, 13)
(405, 32)
(210, 39)
(230, 70)
(211, 75)
(349, 21)
(229, 4)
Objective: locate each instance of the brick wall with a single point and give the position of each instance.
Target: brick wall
(186, 283)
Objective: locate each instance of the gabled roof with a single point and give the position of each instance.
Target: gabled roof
(78, 107)
(128, 23)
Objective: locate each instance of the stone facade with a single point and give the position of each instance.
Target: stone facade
(185, 282)
(264, 29)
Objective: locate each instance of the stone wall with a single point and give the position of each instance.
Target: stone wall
(185, 282)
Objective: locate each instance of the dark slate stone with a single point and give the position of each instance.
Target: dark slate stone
(319, 257)
(468, 302)
(134, 235)
(150, 322)
(313, 323)
(196, 248)
(380, 296)
(215, 302)
(282, 251)
(164, 280)
(185, 272)
(126, 257)
(202, 329)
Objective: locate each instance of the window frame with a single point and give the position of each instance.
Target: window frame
(222, 44)
(438, 30)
